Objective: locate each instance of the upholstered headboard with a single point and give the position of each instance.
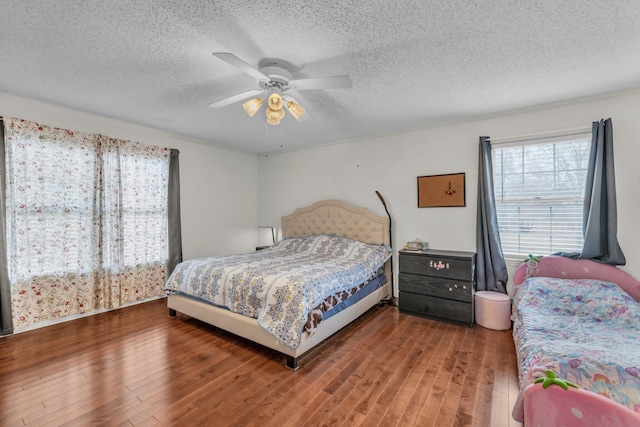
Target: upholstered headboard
(567, 268)
(337, 218)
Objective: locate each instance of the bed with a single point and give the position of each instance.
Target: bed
(581, 320)
(326, 224)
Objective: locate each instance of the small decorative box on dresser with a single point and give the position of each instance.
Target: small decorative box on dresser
(439, 284)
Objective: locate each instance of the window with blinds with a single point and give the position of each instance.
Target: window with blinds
(539, 190)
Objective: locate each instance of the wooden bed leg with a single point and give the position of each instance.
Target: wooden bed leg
(172, 313)
(292, 362)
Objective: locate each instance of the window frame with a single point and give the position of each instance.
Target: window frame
(552, 196)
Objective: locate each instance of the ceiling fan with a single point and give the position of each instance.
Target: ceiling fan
(273, 83)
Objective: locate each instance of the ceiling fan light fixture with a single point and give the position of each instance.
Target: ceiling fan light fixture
(274, 80)
(272, 121)
(295, 109)
(275, 101)
(252, 106)
(274, 116)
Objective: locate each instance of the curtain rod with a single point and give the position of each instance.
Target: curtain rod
(550, 134)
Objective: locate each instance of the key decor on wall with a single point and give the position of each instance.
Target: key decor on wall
(436, 191)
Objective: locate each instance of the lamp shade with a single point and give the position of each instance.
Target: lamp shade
(275, 101)
(295, 109)
(252, 106)
(274, 111)
(274, 116)
(273, 121)
(267, 235)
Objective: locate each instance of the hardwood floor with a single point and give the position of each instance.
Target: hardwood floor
(136, 366)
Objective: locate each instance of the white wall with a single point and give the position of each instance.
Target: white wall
(219, 188)
(352, 171)
(226, 194)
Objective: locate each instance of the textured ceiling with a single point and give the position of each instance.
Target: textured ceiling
(413, 63)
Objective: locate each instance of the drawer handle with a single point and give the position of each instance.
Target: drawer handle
(450, 290)
(464, 286)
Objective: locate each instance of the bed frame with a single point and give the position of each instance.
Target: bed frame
(567, 268)
(555, 406)
(324, 217)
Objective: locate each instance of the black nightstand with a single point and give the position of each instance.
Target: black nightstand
(439, 284)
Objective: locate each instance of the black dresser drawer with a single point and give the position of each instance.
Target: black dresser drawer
(435, 283)
(434, 286)
(436, 307)
(439, 264)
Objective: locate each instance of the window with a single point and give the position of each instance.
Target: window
(142, 206)
(66, 220)
(539, 190)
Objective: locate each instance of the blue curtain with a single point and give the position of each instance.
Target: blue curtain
(491, 269)
(173, 213)
(600, 221)
(6, 320)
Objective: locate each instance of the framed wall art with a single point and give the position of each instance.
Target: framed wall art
(436, 191)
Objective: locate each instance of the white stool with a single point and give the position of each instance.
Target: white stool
(493, 310)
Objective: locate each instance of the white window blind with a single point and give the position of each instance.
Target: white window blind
(539, 190)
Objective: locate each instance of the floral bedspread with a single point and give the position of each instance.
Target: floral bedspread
(280, 285)
(587, 331)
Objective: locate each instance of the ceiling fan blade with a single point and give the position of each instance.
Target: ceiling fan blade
(235, 98)
(231, 59)
(333, 82)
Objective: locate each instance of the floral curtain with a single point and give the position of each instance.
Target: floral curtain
(86, 221)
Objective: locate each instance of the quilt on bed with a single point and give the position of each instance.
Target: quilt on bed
(587, 331)
(280, 285)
